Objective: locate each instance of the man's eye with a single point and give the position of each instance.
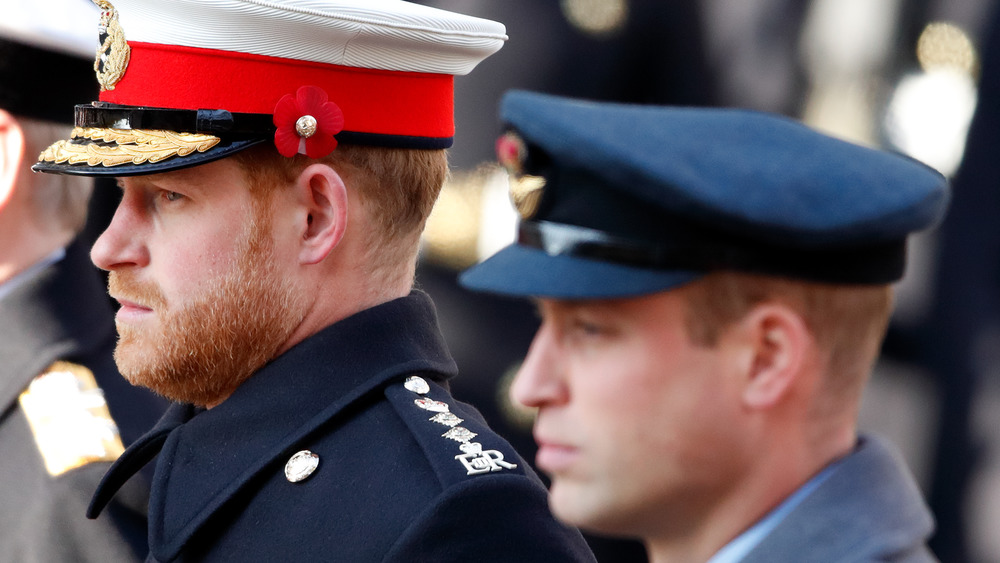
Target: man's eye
(172, 196)
(588, 329)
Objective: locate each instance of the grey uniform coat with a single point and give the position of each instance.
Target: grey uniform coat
(869, 509)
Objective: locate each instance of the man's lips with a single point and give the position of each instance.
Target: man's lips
(130, 309)
(554, 456)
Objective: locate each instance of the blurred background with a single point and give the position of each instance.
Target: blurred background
(916, 76)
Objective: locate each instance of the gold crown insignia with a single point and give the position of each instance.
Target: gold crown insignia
(114, 53)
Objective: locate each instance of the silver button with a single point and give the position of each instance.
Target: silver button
(301, 466)
(306, 126)
(417, 385)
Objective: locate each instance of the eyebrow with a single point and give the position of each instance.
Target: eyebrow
(186, 185)
(555, 306)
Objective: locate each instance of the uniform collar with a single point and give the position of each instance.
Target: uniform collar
(31, 271)
(869, 505)
(738, 548)
(206, 460)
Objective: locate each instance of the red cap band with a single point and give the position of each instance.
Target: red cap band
(373, 101)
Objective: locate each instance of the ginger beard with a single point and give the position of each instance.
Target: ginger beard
(201, 350)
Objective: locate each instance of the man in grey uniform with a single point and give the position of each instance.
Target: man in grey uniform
(714, 288)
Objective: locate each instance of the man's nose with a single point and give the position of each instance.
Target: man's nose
(540, 380)
(121, 245)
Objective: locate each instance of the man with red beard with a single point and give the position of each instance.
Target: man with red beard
(277, 162)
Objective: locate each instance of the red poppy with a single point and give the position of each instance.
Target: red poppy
(511, 153)
(298, 134)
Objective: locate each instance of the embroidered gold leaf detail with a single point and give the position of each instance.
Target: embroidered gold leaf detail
(186, 142)
(131, 146)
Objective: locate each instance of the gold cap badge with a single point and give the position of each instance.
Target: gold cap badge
(113, 54)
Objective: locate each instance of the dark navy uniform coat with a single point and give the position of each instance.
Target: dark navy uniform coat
(64, 314)
(391, 485)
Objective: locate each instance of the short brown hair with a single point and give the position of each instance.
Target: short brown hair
(848, 322)
(397, 186)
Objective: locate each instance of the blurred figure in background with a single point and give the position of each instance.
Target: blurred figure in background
(957, 341)
(65, 412)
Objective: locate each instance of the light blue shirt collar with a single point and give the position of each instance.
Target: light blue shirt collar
(739, 547)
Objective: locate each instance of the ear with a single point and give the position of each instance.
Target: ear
(780, 343)
(11, 153)
(324, 195)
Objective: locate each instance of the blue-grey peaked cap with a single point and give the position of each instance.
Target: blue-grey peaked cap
(650, 197)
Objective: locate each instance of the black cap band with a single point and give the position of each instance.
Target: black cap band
(103, 115)
(225, 124)
(877, 263)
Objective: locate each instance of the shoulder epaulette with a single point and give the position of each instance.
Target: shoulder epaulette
(457, 442)
(69, 418)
